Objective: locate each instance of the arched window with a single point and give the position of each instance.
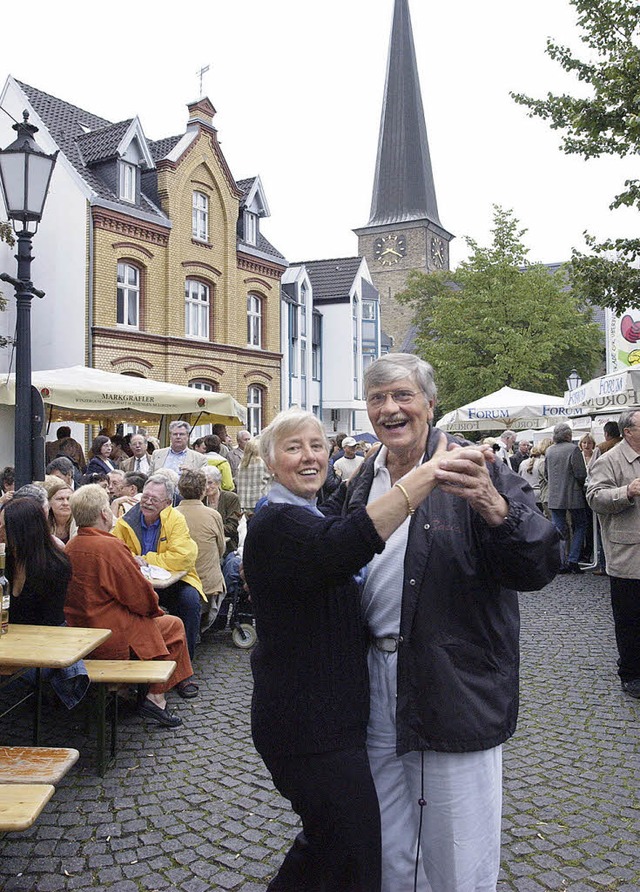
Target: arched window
(254, 320)
(128, 296)
(201, 430)
(197, 308)
(254, 409)
(200, 217)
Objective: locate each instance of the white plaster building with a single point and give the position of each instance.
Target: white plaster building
(330, 333)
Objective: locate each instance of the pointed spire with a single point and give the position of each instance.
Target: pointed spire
(403, 188)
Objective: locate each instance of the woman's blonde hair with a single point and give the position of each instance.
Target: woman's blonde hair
(251, 452)
(53, 484)
(87, 503)
(543, 445)
(283, 425)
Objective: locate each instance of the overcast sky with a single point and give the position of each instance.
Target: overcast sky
(298, 89)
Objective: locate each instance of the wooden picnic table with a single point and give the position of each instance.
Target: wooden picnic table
(44, 647)
(20, 804)
(47, 647)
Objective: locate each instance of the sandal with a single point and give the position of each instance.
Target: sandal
(187, 689)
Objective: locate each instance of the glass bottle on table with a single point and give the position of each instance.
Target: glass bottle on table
(5, 591)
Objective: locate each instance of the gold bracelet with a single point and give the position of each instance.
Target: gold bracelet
(410, 508)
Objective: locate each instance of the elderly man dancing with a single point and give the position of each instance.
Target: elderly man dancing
(441, 605)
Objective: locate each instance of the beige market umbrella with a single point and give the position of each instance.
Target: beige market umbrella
(91, 396)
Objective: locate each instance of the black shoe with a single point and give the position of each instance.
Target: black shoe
(187, 689)
(575, 567)
(161, 716)
(564, 570)
(141, 694)
(632, 688)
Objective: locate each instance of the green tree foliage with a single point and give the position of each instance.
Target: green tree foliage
(498, 321)
(604, 122)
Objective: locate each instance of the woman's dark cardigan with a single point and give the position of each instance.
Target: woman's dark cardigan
(98, 465)
(311, 689)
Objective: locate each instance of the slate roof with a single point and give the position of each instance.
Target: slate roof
(86, 138)
(262, 245)
(68, 125)
(245, 186)
(267, 248)
(331, 280)
(403, 188)
(163, 147)
(101, 145)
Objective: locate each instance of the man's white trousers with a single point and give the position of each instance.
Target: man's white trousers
(460, 841)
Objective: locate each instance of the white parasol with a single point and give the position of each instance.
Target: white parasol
(506, 409)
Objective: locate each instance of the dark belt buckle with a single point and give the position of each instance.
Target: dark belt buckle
(386, 645)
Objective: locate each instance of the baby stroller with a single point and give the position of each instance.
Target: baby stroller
(235, 611)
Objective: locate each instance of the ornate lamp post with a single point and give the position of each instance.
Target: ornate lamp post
(574, 380)
(25, 174)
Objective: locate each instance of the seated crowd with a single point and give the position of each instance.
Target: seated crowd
(86, 545)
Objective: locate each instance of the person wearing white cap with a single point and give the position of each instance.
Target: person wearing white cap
(346, 466)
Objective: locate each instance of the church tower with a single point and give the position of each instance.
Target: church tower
(404, 231)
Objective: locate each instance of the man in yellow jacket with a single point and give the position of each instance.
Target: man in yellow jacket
(157, 535)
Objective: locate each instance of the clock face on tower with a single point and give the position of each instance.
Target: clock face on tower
(389, 249)
(437, 251)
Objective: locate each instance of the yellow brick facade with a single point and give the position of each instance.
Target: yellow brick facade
(165, 258)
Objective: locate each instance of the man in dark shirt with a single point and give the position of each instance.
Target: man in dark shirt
(524, 447)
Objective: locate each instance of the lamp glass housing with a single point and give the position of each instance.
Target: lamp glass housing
(574, 380)
(25, 174)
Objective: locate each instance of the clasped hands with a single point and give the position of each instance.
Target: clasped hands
(462, 471)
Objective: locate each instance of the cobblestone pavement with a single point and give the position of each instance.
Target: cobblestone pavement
(194, 810)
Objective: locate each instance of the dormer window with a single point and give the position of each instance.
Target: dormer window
(128, 182)
(250, 228)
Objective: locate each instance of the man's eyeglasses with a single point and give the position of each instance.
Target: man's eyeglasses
(399, 397)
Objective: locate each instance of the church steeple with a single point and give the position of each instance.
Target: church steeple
(404, 231)
(403, 188)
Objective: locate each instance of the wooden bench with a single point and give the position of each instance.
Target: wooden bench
(110, 675)
(35, 764)
(20, 804)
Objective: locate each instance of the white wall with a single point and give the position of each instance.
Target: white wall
(58, 321)
(58, 329)
(337, 354)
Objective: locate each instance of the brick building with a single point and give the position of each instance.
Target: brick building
(151, 255)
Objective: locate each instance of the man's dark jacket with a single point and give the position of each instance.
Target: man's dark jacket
(458, 655)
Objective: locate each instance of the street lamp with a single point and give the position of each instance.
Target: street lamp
(25, 174)
(574, 380)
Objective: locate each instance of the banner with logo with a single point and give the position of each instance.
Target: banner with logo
(623, 340)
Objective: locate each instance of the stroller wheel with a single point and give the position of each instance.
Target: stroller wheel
(244, 636)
